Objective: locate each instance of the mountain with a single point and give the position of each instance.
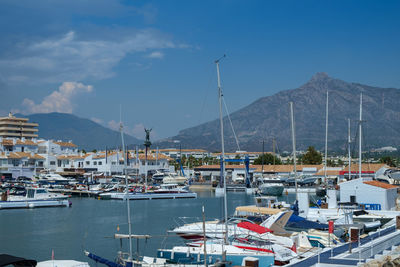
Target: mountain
(85, 133)
(269, 117)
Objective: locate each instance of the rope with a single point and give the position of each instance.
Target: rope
(230, 121)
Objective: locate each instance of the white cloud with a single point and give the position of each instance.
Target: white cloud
(57, 101)
(112, 124)
(138, 130)
(71, 57)
(156, 54)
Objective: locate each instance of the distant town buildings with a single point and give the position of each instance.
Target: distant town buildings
(23, 154)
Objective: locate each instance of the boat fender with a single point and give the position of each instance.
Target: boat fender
(31, 205)
(172, 255)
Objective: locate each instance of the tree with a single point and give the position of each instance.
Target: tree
(388, 160)
(267, 159)
(330, 163)
(312, 156)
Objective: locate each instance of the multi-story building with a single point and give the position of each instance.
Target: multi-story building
(175, 153)
(12, 127)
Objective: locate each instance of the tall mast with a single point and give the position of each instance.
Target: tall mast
(294, 145)
(273, 150)
(348, 147)
(126, 189)
(262, 160)
(222, 149)
(360, 147)
(326, 136)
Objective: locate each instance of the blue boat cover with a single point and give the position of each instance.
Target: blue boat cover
(104, 261)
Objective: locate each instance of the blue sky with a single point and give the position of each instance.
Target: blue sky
(155, 58)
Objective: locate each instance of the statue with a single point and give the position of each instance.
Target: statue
(147, 142)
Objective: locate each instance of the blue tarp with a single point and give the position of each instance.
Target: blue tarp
(104, 261)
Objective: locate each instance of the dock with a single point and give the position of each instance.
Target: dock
(72, 192)
(367, 249)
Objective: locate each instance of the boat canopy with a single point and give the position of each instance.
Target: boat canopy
(257, 210)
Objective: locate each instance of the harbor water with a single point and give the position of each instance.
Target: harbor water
(90, 224)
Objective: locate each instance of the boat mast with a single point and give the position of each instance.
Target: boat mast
(359, 148)
(326, 136)
(262, 161)
(126, 190)
(348, 147)
(222, 149)
(273, 150)
(294, 147)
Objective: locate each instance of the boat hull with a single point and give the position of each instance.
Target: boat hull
(29, 204)
(148, 196)
(272, 190)
(212, 258)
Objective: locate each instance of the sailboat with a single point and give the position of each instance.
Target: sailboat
(220, 251)
(321, 191)
(123, 259)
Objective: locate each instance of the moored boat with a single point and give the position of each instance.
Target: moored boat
(34, 198)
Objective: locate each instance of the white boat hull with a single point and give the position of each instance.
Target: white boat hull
(144, 196)
(29, 204)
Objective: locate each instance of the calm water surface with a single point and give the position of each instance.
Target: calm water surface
(90, 224)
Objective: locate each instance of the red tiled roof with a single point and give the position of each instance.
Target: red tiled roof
(66, 144)
(380, 184)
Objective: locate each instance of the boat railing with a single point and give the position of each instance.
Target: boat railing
(180, 221)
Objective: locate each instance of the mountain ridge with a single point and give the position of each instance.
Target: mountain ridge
(269, 117)
(85, 133)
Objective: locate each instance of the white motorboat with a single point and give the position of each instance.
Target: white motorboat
(53, 178)
(62, 263)
(174, 178)
(158, 177)
(271, 186)
(34, 198)
(166, 191)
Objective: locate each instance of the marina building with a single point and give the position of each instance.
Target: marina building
(175, 153)
(374, 195)
(13, 127)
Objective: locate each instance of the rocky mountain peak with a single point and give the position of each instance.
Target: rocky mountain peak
(319, 76)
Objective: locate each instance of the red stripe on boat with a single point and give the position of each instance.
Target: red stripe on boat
(254, 227)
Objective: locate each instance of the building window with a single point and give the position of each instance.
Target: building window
(100, 162)
(87, 162)
(94, 162)
(52, 163)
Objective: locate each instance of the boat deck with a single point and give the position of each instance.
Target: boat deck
(370, 246)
